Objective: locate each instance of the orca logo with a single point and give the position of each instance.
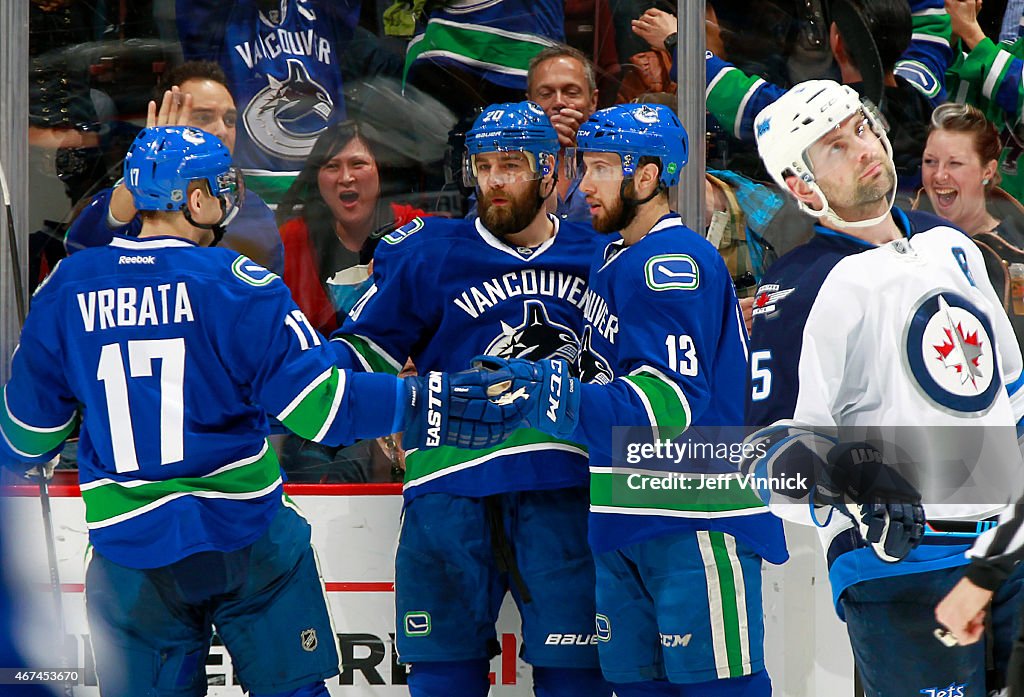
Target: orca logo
(591, 365)
(285, 117)
(538, 337)
(950, 354)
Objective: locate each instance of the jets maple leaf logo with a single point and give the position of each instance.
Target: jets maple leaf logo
(960, 352)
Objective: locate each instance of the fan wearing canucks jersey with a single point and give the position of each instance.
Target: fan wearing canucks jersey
(171, 356)
(282, 59)
(885, 374)
(509, 283)
(664, 328)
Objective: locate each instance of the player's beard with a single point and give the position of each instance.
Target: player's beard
(866, 195)
(512, 218)
(616, 214)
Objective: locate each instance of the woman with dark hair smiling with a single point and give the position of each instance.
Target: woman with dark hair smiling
(326, 218)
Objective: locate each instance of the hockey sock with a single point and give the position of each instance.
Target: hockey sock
(756, 685)
(315, 689)
(447, 678)
(569, 682)
(649, 688)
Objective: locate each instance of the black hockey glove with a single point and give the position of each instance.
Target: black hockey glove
(885, 506)
(470, 409)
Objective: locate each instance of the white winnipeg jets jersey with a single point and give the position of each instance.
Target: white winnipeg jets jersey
(903, 344)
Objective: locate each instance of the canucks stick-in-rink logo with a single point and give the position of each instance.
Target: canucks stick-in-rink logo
(285, 117)
(536, 338)
(950, 353)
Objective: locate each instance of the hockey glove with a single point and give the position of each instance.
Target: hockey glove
(552, 402)
(885, 506)
(470, 409)
(43, 470)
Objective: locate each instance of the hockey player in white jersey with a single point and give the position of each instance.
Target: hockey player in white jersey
(886, 375)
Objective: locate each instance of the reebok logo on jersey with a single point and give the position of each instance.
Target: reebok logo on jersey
(671, 641)
(136, 260)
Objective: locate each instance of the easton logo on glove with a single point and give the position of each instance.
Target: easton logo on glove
(434, 416)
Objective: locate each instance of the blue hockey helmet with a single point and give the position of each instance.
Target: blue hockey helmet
(633, 131)
(163, 160)
(514, 126)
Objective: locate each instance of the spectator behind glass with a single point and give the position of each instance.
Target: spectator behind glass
(960, 173)
(198, 97)
(561, 81)
(283, 63)
(326, 218)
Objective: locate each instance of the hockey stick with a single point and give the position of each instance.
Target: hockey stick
(44, 492)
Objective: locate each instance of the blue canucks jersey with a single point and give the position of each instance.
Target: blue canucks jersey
(172, 356)
(493, 38)
(664, 348)
(283, 71)
(445, 291)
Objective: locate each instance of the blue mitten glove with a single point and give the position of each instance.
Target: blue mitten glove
(470, 409)
(885, 506)
(552, 395)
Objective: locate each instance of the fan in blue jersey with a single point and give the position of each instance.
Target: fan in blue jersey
(509, 283)
(172, 356)
(886, 375)
(663, 322)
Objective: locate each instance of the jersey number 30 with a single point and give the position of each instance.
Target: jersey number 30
(111, 373)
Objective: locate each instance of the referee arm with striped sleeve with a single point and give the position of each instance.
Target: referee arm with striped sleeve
(993, 557)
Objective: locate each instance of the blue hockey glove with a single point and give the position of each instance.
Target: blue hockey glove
(885, 506)
(552, 402)
(470, 409)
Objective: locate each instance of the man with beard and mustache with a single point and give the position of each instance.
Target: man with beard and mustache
(661, 312)
(509, 283)
(878, 347)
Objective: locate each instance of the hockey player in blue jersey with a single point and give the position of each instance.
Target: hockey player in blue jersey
(663, 322)
(172, 356)
(883, 367)
(476, 524)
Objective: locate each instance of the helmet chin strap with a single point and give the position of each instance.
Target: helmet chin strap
(828, 214)
(219, 228)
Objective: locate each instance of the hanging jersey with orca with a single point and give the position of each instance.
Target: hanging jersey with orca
(283, 71)
(447, 290)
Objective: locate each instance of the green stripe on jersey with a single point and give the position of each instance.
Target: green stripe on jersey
(664, 401)
(377, 360)
(29, 440)
(270, 186)
(422, 466)
(631, 489)
(478, 46)
(108, 502)
(309, 416)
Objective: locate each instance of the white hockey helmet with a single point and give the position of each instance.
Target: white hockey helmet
(786, 128)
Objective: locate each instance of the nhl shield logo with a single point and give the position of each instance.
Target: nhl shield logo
(950, 353)
(308, 639)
